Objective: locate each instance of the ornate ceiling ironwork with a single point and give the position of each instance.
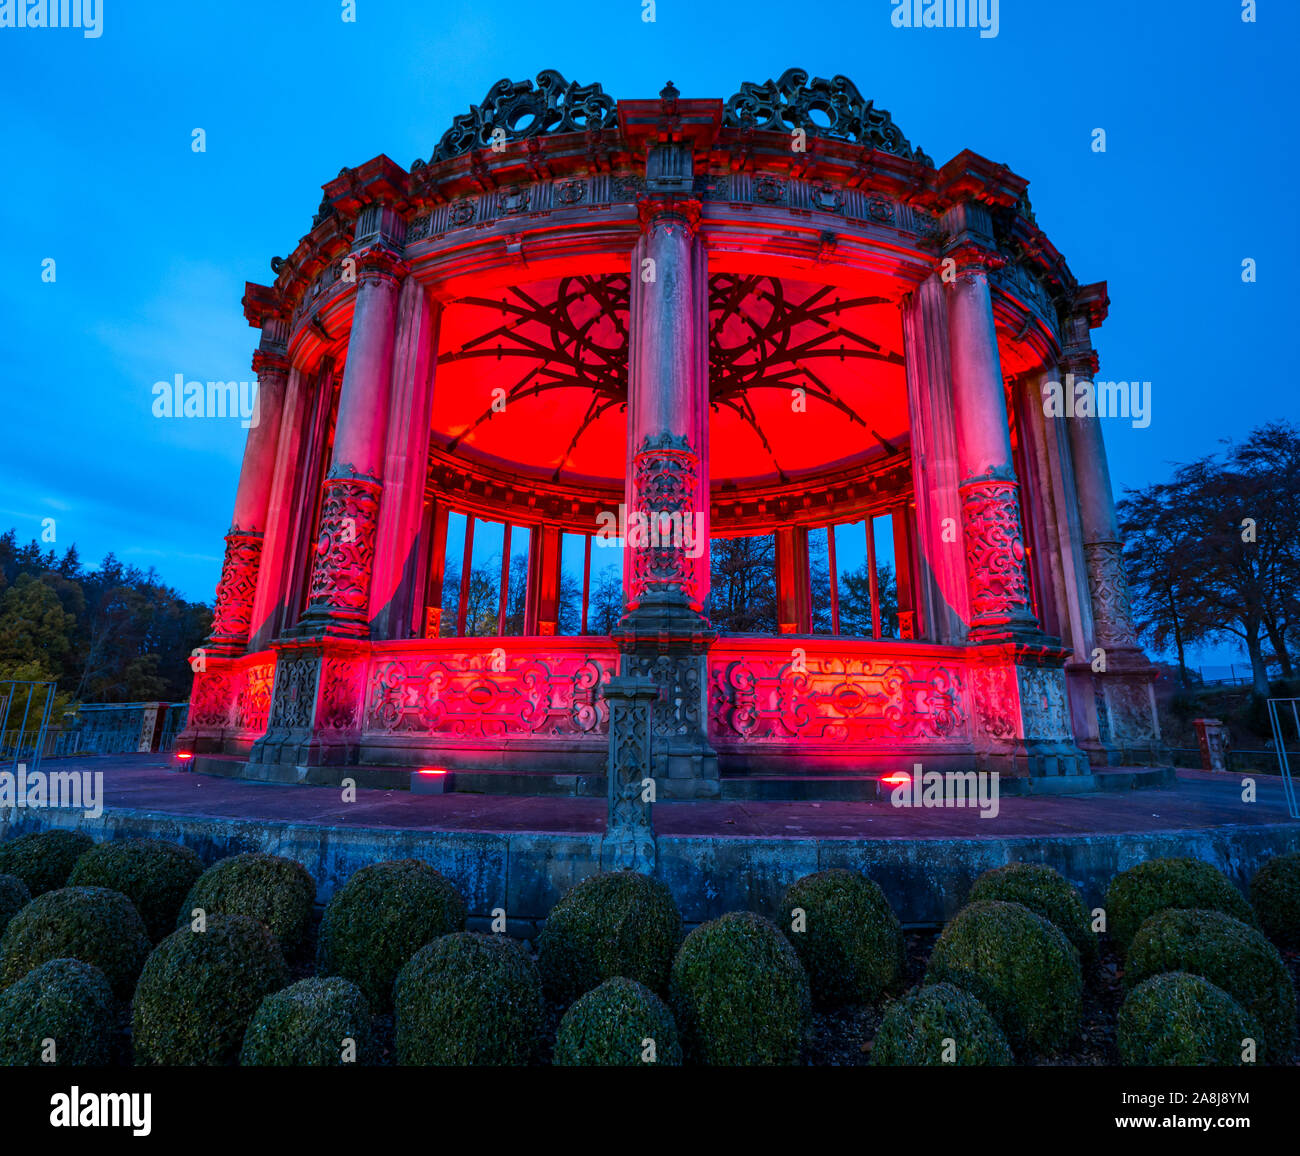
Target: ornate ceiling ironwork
(765, 334)
(517, 110)
(774, 356)
(789, 103)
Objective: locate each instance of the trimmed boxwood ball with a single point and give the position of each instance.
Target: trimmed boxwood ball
(616, 923)
(383, 915)
(306, 1024)
(154, 875)
(916, 1028)
(14, 896)
(1046, 892)
(63, 1000)
(92, 924)
(1019, 966)
(851, 944)
(468, 998)
(1228, 953)
(44, 859)
(608, 1028)
(1275, 895)
(739, 993)
(199, 990)
(1141, 891)
(275, 891)
(1182, 1020)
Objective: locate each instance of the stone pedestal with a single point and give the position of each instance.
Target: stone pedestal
(629, 841)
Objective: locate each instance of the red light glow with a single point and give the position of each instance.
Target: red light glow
(432, 771)
(897, 779)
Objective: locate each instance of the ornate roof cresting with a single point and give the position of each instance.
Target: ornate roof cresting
(786, 104)
(519, 110)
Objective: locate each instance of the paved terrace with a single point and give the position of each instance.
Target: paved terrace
(155, 784)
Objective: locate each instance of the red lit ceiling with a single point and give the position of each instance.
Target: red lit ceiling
(533, 379)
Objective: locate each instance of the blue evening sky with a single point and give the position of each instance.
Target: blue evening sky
(153, 242)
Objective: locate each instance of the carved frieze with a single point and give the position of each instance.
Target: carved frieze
(830, 698)
(345, 546)
(995, 551)
(489, 694)
(1111, 606)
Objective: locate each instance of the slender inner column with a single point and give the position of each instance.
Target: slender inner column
(943, 590)
(1103, 550)
(233, 619)
(339, 595)
(997, 573)
(667, 487)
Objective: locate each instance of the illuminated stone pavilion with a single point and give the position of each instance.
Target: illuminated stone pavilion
(767, 316)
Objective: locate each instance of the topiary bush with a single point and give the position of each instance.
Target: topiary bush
(468, 998)
(14, 896)
(1018, 965)
(1228, 953)
(739, 993)
(1046, 892)
(67, 1002)
(1275, 895)
(851, 944)
(1182, 1020)
(154, 875)
(609, 1026)
(616, 923)
(382, 917)
(306, 1024)
(916, 1030)
(199, 991)
(1158, 884)
(43, 860)
(275, 891)
(91, 924)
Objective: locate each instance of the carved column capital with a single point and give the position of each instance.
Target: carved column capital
(379, 263)
(669, 212)
(973, 259)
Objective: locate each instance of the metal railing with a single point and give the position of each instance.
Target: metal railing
(24, 716)
(1277, 712)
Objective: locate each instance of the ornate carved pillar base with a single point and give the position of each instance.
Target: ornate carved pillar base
(995, 561)
(1127, 720)
(317, 706)
(338, 601)
(664, 640)
(233, 618)
(629, 841)
(1022, 715)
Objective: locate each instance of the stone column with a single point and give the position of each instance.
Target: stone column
(1128, 722)
(232, 621)
(399, 545)
(338, 600)
(996, 570)
(664, 634)
(942, 588)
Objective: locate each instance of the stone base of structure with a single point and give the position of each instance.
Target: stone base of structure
(783, 705)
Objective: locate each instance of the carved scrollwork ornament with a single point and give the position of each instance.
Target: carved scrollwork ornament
(515, 110)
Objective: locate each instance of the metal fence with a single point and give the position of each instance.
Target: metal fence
(1280, 710)
(24, 716)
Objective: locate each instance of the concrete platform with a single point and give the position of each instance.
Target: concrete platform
(523, 852)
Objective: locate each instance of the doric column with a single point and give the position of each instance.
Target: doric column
(941, 587)
(237, 590)
(664, 634)
(338, 600)
(398, 544)
(996, 570)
